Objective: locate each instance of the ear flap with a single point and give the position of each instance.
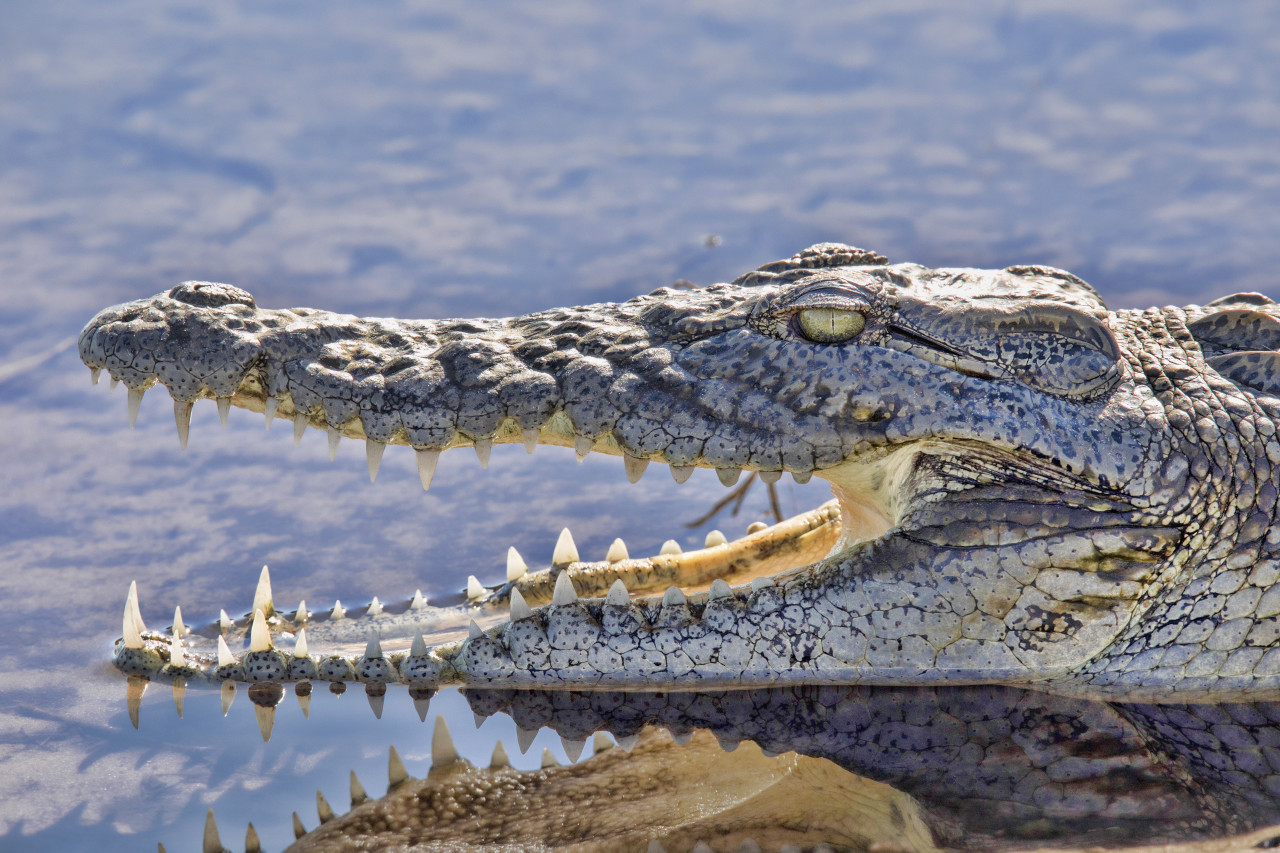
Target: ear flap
(1257, 370)
(816, 257)
(1235, 329)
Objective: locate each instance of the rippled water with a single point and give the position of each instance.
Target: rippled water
(433, 160)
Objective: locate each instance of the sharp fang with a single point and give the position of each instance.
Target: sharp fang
(770, 477)
(443, 752)
(225, 658)
(473, 631)
(266, 718)
(375, 607)
(728, 476)
(530, 439)
(262, 595)
(338, 611)
(618, 595)
(227, 693)
(179, 628)
(269, 409)
(548, 760)
(396, 774)
(617, 552)
(673, 596)
(756, 527)
(133, 691)
(565, 552)
(582, 446)
(524, 738)
(801, 477)
(628, 743)
(95, 373)
(422, 706)
(225, 622)
(259, 635)
(719, 589)
(251, 842)
(564, 592)
(182, 417)
(516, 567)
(499, 758)
(298, 829)
(634, 467)
(715, 538)
(177, 658)
(212, 843)
(335, 435)
(323, 809)
(475, 589)
(376, 700)
(135, 400)
(483, 446)
(224, 409)
(114, 383)
(680, 473)
(519, 607)
(133, 625)
(419, 601)
(478, 718)
(300, 420)
(373, 648)
(573, 748)
(300, 645)
(600, 742)
(373, 455)
(671, 546)
(302, 614)
(419, 648)
(427, 460)
(358, 794)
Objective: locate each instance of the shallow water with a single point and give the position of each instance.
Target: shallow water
(425, 160)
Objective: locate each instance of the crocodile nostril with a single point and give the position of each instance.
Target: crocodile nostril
(210, 294)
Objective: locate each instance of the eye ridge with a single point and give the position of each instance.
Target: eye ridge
(825, 325)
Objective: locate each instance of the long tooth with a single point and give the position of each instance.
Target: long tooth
(719, 589)
(427, 460)
(419, 601)
(548, 760)
(634, 467)
(600, 742)
(770, 477)
(225, 658)
(680, 473)
(715, 538)
(564, 592)
(396, 774)
(262, 593)
(419, 647)
(135, 400)
(530, 439)
(133, 625)
(113, 384)
(251, 842)
(227, 693)
(674, 596)
(95, 373)
(519, 607)
(524, 738)
(484, 447)
(478, 718)
(338, 611)
(177, 658)
(565, 551)
(225, 622)
(618, 595)
(573, 748)
(628, 743)
(269, 407)
(516, 567)
(617, 552)
(300, 421)
(373, 455)
(335, 435)
(182, 417)
(801, 477)
(475, 589)
(377, 696)
(300, 649)
(728, 476)
(211, 843)
(302, 614)
(582, 446)
(358, 794)
(443, 752)
(133, 691)
(179, 628)
(266, 718)
(474, 631)
(259, 635)
(322, 808)
(373, 648)
(224, 409)
(671, 546)
(298, 829)
(375, 607)
(422, 706)
(499, 758)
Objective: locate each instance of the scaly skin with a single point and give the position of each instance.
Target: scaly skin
(1032, 488)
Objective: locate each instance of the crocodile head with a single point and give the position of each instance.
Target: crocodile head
(1026, 484)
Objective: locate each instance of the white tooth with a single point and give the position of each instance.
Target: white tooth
(728, 476)
(224, 409)
(617, 552)
(419, 648)
(377, 700)
(133, 691)
(225, 623)
(673, 596)
(262, 595)
(373, 456)
(600, 742)
(714, 538)
(375, 607)
(182, 417)
(302, 614)
(322, 808)
(396, 774)
(473, 631)
(801, 477)
(335, 435)
(478, 718)
(628, 743)
(565, 551)
(298, 829)
(177, 658)
(618, 595)
(680, 473)
(634, 467)
(516, 567)
(758, 584)
(373, 648)
(719, 589)
(269, 407)
(114, 383)
(95, 373)
(227, 695)
(564, 592)
(419, 601)
(443, 752)
(484, 447)
(475, 589)
(671, 546)
(266, 718)
(756, 527)
(225, 657)
(133, 626)
(499, 758)
(135, 400)
(582, 446)
(300, 421)
(179, 628)
(259, 636)
(358, 794)
(300, 649)
(770, 477)
(211, 843)
(548, 760)
(427, 460)
(338, 611)
(530, 439)
(519, 607)
(524, 738)
(573, 748)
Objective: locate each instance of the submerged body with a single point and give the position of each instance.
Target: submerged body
(1030, 488)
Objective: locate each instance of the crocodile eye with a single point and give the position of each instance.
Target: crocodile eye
(830, 325)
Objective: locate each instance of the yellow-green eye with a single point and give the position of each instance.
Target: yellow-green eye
(830, 325)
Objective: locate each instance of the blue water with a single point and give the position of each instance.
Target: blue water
(430, 159)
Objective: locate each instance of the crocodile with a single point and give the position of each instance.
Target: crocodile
(1029, 488)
